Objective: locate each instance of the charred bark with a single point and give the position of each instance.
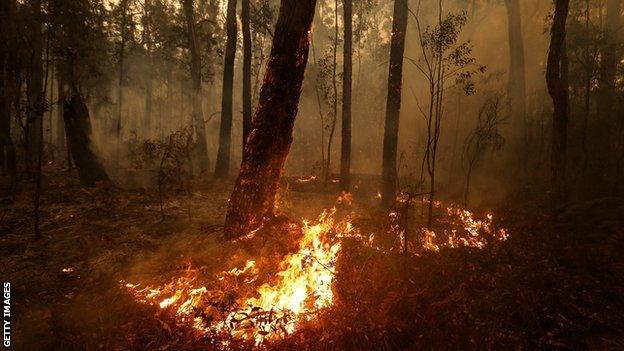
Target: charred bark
(345, 155)
(78, 130)
(201, 149)
(225, 131)
(253, 197)
(247, 108)
(393, 103)
(557, 82)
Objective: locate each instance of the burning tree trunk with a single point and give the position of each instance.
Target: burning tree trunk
(557, 82)
(78, 130)
(269, 141)
(393, 102)
(247, 112)
(201, 150)
(345, 156)
(225, 131)
(517, 76)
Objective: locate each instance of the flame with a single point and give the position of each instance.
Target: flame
(302, 289)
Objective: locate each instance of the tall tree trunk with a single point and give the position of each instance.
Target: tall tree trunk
(393, 103)
(247, 102)
(201, 149)
(147, 38)
(60, 140)
(253, 197)
(6, 145)
(345, 156)
(557, 82)
(35, 86)
(610, 57)
(517, 76)
(78, 130)
(332, 128)
(225, 131)
(589, 69)
(120, 75)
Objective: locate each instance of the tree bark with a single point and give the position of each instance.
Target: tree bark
(147, 38)
(607, 78)
(60, 125)
(393, 103)
(517, 75)
(247, 100)
(557, 82)
(78, 130)
(345, 156)
(35, 86)
(201, 149)
(225, 131)
(6, 145)
(253, 197)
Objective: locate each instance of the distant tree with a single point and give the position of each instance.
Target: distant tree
(7, 50)
(393, 103)
(247, 58)
(332, 97)
(517, 73)
(485, 137)
(610, 57)
(201, 149)
(222, 168)
(148, 43)
(557, 82)
(124, 26)
(444, 59)
(347, 74)
(253, 197)
(35, 85)
(80, 42)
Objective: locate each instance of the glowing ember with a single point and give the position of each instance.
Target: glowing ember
(305, 179)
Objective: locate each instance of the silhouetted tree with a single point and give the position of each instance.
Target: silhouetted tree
(557, 82)
(345, 156)
(225, 131)
(517, 75)
(201, 149)
(393, 103)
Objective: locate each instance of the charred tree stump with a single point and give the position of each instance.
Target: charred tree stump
(78, 131)
(269, 141)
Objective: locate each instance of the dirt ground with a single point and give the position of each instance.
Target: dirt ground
(544, 288)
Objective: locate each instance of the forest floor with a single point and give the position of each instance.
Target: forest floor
(545, 286)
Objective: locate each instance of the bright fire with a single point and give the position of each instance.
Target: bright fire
(303, 285)
(303, 288)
